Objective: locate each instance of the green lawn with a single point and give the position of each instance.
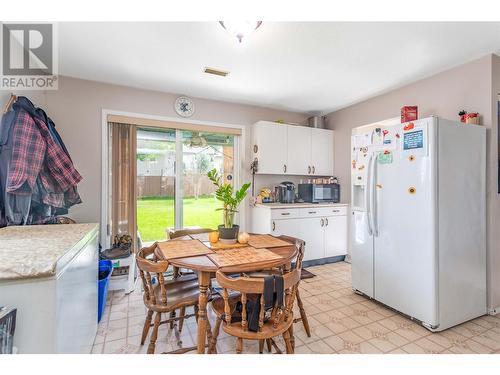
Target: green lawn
(155, 214)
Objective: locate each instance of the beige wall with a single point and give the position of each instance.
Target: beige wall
(474, 87)
(76, 108)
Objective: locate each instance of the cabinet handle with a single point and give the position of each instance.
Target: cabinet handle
(309, 169)
(326, 222)
(336, 210)
(322, 222)
(314, 170)
(312, 212)
(274, 226)
(285, 213)
(284, 168)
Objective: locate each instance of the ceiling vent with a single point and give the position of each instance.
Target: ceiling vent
(216, 72)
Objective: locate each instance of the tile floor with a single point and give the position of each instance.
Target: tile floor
(341, 322)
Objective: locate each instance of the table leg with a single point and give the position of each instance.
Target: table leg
(203, 281)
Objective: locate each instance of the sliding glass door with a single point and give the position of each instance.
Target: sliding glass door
(202, 152)
(173, 190)
(156, 155)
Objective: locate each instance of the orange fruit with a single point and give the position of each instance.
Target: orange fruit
(213, 237)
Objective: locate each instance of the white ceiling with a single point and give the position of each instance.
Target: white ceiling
(303, 67)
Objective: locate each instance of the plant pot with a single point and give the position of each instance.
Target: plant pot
(228, 235)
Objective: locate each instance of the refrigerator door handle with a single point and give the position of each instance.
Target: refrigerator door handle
(368, 196)
(373, 200)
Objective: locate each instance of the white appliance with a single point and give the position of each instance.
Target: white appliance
(418, 228)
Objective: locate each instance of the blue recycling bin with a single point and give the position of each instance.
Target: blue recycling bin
(105, 271)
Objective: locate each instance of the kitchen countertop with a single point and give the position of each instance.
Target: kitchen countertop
(40, 250)
(299, 205)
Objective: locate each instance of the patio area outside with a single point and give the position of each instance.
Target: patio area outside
(160, 168)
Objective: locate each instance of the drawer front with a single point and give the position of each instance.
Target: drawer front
(284, 214)
(336, 211)
(323, 211)
(312, 212)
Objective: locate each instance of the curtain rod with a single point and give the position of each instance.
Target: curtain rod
(138, 121)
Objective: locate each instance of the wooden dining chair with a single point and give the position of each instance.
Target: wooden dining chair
(300, 245)
(178, 233)
(165, 296)
(279, 323)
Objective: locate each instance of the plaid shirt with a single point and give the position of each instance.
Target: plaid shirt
(36, 154)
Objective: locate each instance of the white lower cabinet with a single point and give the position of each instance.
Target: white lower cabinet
(335, 236)
(312, 232)
(323, 229)
(285, 226)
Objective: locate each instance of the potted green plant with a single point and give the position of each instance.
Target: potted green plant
(228, 232)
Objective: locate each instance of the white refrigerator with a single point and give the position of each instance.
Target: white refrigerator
(418, 230)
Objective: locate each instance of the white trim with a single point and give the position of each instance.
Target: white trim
(237, 175)
(179, 185)
(174, 119)
(104, 238)
(240, 161)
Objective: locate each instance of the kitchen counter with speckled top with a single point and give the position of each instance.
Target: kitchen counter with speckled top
(41, 250)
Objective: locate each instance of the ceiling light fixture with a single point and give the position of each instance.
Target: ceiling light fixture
(216, 72)
(240, 29)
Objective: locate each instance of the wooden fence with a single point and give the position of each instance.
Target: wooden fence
(164, 186)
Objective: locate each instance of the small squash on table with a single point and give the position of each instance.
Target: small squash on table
(243, 237)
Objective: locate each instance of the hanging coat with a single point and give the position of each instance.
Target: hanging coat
(38, 179)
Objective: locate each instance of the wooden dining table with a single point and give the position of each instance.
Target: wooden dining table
(206, 268)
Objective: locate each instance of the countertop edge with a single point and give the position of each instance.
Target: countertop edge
(66, 259)
(273, 206)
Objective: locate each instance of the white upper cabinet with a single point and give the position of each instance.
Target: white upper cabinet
(298, 150)
(291, 149)
(322, 152)
(270, 147)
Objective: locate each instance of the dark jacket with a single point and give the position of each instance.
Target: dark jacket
(37, 177)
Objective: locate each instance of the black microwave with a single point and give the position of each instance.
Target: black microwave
(319, 193)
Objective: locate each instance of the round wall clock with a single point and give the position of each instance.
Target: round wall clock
(184, 106)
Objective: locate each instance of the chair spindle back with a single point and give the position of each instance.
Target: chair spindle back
(176, 233)
(255, 285)
(301, 247)
(149, 267)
